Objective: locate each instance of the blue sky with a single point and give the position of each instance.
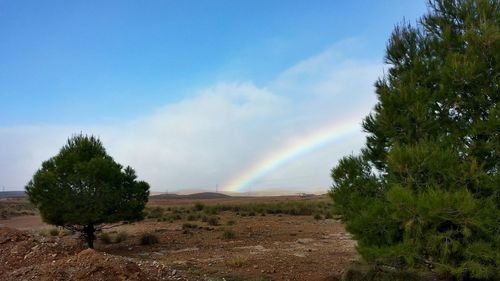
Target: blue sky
(97, 66)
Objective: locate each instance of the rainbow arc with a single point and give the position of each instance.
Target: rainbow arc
(292, 150)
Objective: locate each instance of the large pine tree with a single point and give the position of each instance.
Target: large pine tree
(425, 191)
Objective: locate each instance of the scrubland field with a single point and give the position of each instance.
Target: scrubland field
(227, 238)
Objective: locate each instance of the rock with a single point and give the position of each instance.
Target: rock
(304, 240)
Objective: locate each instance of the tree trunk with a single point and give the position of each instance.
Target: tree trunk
(89, 235)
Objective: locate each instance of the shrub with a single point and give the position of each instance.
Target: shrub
(317, 217)
(231, 222)
(186, 226)
(155, 212)
(212, 210)
(149, 239)
(294, 212)
(54, 231)
(198, 206)
(237, 262)
(229, 234)
(121, 236)
(66, 232)
(213, 221)
(15, 208)
(4, 214)
(105, 238)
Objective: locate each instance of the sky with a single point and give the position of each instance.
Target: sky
(233, 96)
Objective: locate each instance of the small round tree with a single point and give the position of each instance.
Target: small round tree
(82, 188)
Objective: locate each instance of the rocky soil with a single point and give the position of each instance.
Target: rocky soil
(271, 247)
(24, 256)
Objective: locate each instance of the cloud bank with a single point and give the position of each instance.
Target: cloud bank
(221, 130)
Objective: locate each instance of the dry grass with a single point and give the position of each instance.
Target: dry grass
(16, 207)
(237, 262)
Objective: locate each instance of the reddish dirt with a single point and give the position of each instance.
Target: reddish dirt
(271, 247)
(24, 223)
(25, 256)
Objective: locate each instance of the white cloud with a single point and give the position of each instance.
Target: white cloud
(221, 130)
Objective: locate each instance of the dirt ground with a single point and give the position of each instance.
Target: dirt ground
(24, 223)
(270, 247)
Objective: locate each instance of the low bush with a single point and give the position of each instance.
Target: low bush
(229, 234)
(105, 238)
(186, 226)
(213, 221)
(292, 207)
(54, 231)
(198, 206)
(14, 208)
(154, 212)
(211, 210)
(149, 239)
(121, 236)
(174, 217)
(66, 232)
(237, 262)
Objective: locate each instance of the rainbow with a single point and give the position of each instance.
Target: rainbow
(292, 150)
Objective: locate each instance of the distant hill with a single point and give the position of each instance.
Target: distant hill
(207, 195)
(12, 194)
(201, 195)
